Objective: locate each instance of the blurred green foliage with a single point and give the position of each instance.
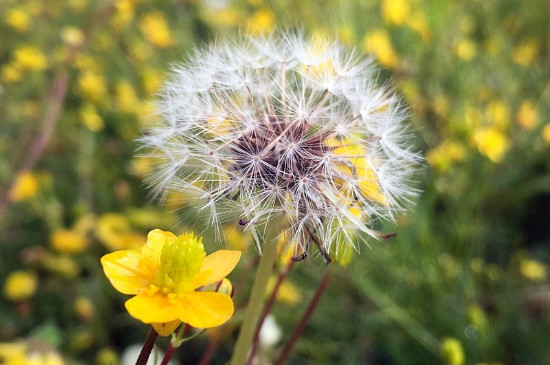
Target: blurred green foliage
(465, 280)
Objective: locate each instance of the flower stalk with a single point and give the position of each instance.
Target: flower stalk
(147, 347)
(256, 299)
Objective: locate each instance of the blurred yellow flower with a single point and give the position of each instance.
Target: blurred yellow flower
(30, 58)
(124, 13)
(90, 118)
(155, 29)
(346, 35)
(491, 143)
(25, 353)
(478, 318)
(527, 116)
(452, 352)
(526, 53)
(18, 19)
(63, 265)
(236, 238)
(20, 285)
(262, 21)
(444, 156)
(151, 80)
(68, 241)
(378, 43)
(126, 98)
(164, 276)
(395, 11)
(546, 133)
(25, 187)
(466, 49)
(498, 113)
(532, 269)
(72, 36)
(11, 73)
(287, 293)
(92, 86)
(417, 22)
(114, 231)
(106, 356)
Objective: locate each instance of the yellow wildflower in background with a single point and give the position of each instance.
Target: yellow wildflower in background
(546, 133)
(155, 29)
(11, 73)
(287, 293)
(164, 276)
(72, 36)
(395, 11)
(236, 238)
(20, 285)
(465, 49)
(18, 19)
(30, 58)
(114, 231)
(452, 352)
(126, 98)
(90, 118)
(68, 241)
(419, 24)
(527, 116)
(262, 21)
(27, 353)
(25, 187)
(379, 44)
(446, 155)
(498, 113)
(491, 143)
(92, 86)
(532, 269)
(84, 308)
(526, 53)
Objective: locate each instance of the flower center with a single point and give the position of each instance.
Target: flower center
(180, 261)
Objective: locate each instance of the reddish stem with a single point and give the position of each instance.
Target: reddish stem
(269, 305)
(147, 347)
(171, 349)
(303, 321)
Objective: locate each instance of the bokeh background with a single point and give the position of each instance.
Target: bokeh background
(465, 281)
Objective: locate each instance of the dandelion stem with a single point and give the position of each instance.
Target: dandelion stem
(147, 347)
(303, 321)
(256, 299)
(269, 305)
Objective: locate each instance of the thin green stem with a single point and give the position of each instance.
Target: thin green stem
(256, 300)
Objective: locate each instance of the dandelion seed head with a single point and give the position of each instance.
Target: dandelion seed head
(284, 127)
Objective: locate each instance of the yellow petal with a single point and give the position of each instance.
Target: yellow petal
(165, 329)
(156, 308)
(155, 241)
(216, 266)
(205, 309)
(125, 271)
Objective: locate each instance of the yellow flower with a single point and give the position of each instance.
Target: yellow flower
(466, 49)
(126, 98)
(444, 156)
(114, 231)
(18, 19)
(499, 114)
(72, 36)
(164, 276)
(25, 187)
(84, 308)
(262, 21)
(68, 241)
(491, 143)
(526, 53)
(546, 133)
(11, 73)
(90, 118)
(20, 285)
(451, 352)
(288, 293)
(379, 44)
(92, 86)
(532, 269)
(527, 116)
(395, 11)
(155, 29)
(30, 58)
